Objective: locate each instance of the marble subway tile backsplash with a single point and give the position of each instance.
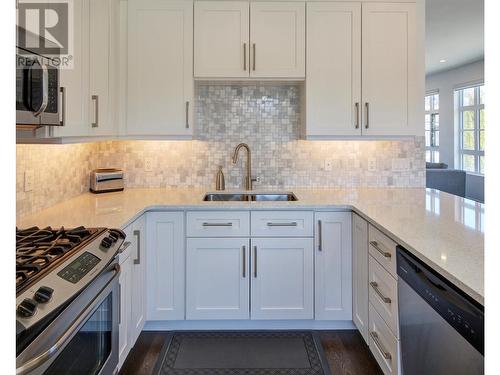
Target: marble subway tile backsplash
(266, 117)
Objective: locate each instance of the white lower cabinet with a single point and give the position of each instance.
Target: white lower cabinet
(217, 278)
(282, 278)
(132, 286)
(333, 276)
(360, 274)
(383, 344)
(165, 264)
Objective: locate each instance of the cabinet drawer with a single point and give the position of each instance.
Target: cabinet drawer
(282, 223)
(383, 249)
(383, 344)
(218, 224)
(383, 294)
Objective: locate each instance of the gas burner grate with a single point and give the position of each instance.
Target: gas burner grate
(37, 249)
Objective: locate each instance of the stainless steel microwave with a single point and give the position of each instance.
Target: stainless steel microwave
(38, 91)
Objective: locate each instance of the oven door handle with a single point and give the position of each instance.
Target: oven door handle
(68, 334)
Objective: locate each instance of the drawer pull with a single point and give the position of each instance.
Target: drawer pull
(320, 236)
(384, 253)
(374, 285)
(291, 224)
(378, 344)
(217, 224)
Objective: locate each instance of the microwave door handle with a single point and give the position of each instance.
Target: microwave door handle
(45, 91)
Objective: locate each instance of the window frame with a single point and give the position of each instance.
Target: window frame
(476, 108)
(432, 112)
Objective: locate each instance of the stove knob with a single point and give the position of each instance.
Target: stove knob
(106, 242)
(43, 294)
(27, 308)
(113, 237)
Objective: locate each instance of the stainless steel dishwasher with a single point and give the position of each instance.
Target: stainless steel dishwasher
(441, 328)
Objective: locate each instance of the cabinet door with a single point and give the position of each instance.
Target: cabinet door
(74, 80)
(282, 278)
(217, 278)
(221, 46)
(100, 25)
(333, 88)
(160, 68)
(360, 275)
(277, 37)
(165, 266)
(138, 289)
(333, 266)
(389, 69)
(124, 339)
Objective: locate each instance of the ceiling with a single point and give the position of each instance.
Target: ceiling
(454, 32)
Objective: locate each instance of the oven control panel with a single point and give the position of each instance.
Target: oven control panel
(78, 268)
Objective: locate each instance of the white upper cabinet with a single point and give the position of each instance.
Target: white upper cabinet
(221, 33)
(238, 39)
(160, 68)
(101, 114)
(362, 75)
(277, 37)
(390, 77)
(333, 280)
(74, 81)
(333, 86)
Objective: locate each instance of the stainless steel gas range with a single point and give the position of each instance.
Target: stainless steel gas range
(67, 298)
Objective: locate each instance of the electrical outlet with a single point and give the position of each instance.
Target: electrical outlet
(328, 165)
(29, 179)
(148, 164)
(372, 164)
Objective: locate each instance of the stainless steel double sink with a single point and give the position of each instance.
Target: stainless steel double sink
(249, 197)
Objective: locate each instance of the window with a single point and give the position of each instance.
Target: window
(432, 128)
(471, 121)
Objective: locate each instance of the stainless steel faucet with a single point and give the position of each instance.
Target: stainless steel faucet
(248, 178)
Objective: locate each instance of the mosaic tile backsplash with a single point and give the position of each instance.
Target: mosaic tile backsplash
(266, 117)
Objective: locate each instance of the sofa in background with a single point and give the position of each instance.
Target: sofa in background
(452, 181)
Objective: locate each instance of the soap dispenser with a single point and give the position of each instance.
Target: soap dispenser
(220, 184)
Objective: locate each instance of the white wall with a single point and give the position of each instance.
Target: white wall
(446, 82)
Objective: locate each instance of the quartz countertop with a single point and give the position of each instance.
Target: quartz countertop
(444, 231)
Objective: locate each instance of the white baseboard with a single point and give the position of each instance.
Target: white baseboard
(192, 325)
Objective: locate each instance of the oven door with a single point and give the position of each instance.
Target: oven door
(83, 338)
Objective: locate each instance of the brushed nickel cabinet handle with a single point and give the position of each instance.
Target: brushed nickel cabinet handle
(187, 115)
(217, 224)
(244, 251)
(244, 56)
(95, 98)
(377, 342)
(374, 285)
(137, 233)
(291, 224)
(62, 90)
(367, 108)
(255, 261)
(119, 303)
(253, 57)
(320, 236)
(377, 247)
(356, 106)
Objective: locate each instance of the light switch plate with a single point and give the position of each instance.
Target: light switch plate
(372, 164)
(29, 179)
(328, 165)
(148, 164)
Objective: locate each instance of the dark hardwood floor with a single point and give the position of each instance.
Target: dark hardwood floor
(346, 352)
